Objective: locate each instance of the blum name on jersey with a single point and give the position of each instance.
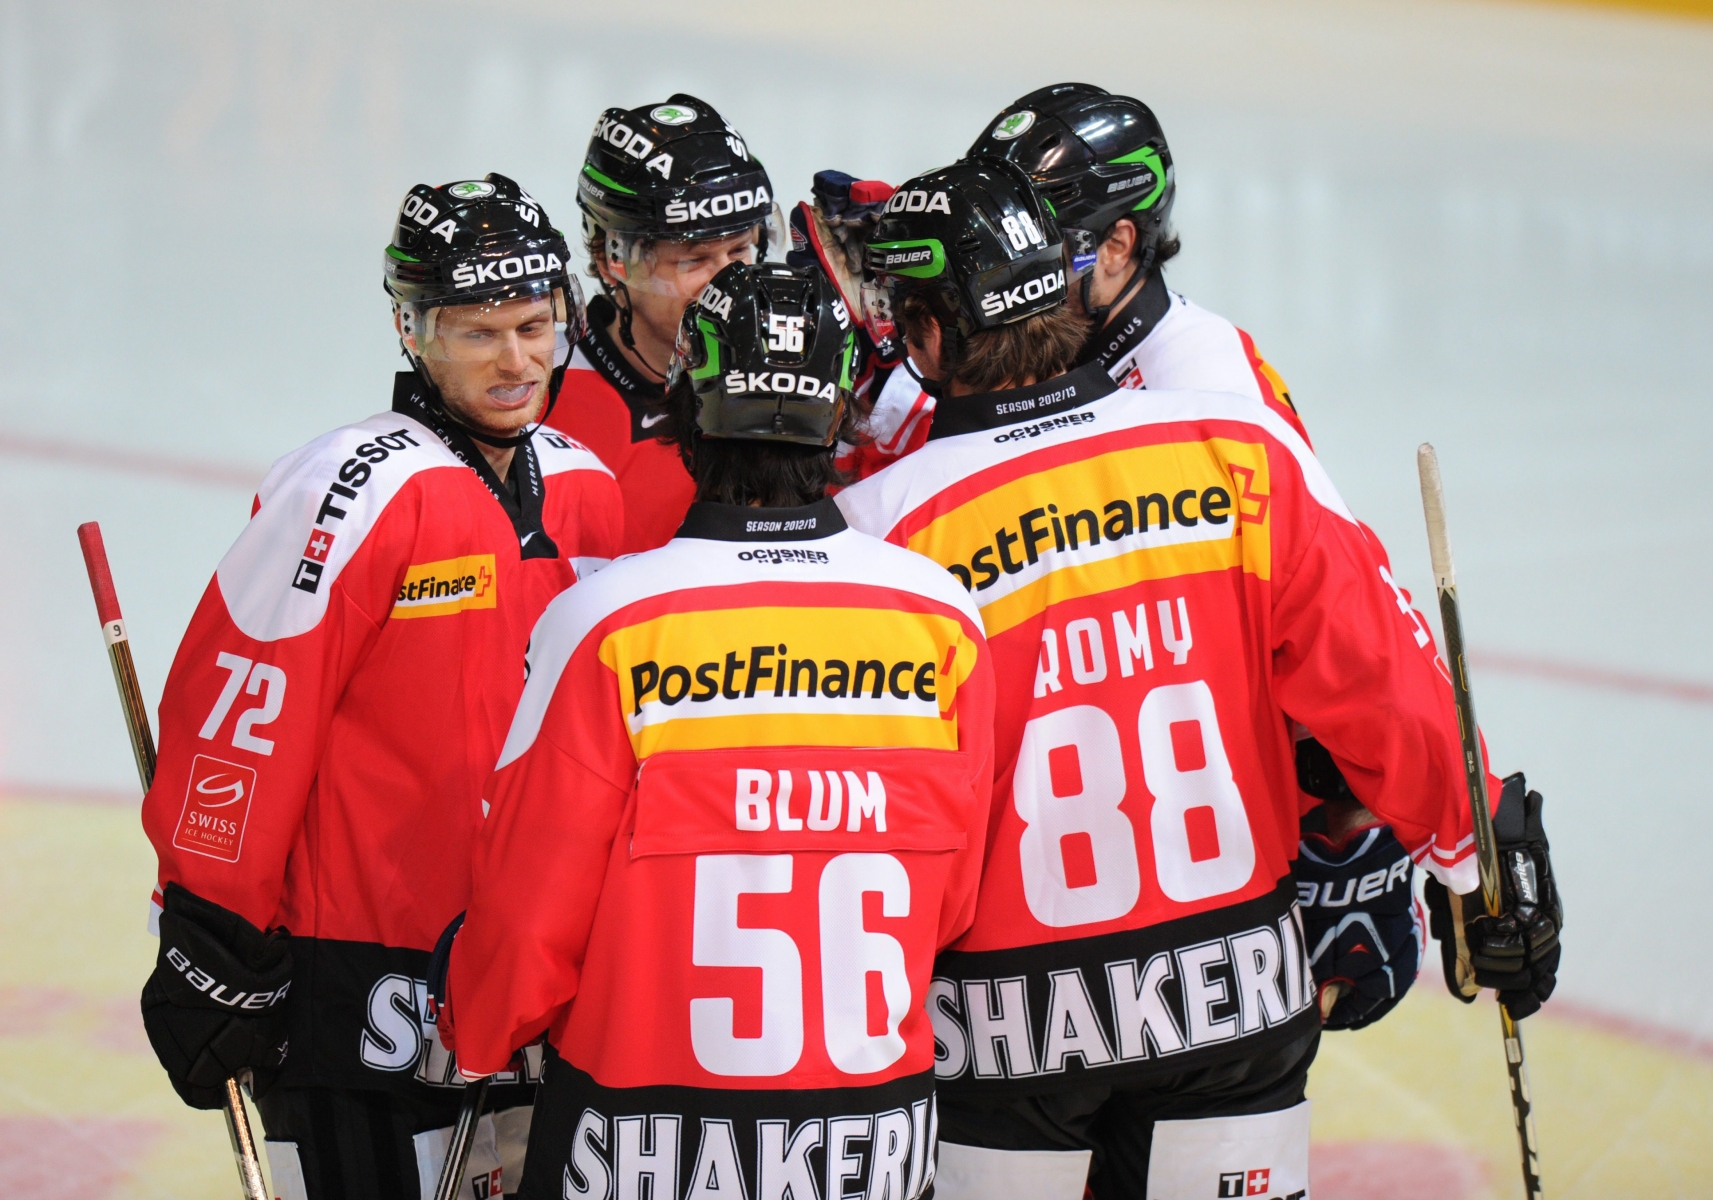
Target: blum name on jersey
(336, 703)
(1167, 582)
(741, 807)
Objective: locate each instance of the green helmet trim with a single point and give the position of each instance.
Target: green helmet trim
(605, 182)
(1150, 158)
(931, 269)
(395, 252)
(1053, 212)
(845, 362)
(711, 345)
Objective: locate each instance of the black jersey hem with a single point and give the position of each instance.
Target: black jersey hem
(711, 1140)
(1206, 989)
(358, 1018)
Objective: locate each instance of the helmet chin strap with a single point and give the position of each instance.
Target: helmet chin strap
(510, 442)
(936, 387)
(1098, 313)
(619, 294)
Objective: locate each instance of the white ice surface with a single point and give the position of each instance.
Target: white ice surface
(1485, 225)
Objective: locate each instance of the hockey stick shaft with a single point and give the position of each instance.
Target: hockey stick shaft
(463, 1135)
(143, 749)
(1475, 777)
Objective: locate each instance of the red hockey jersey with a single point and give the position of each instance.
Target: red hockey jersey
(1167, 582)
(741, 807)
(607, 405)
(338, 701)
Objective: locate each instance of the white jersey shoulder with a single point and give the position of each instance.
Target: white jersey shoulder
(318, 505)
(1189, 349)
(877, 504)
(901, 406)
(847, 557)
(558, 452)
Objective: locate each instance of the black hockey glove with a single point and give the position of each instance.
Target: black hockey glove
(215, 1004)
(1517, 952)
(1360, 921)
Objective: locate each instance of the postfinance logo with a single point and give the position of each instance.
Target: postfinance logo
(790, 676)
(1094, 524)
(439, 589)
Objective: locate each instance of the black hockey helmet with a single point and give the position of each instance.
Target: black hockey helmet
(672, 170)
(769, 350)
(1096, 157)
(976, 234)
(477, 242)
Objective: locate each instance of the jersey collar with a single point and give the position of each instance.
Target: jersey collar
(992, 410)
(520, 494)
(609, 361)
(1131, 325)
(741, 523)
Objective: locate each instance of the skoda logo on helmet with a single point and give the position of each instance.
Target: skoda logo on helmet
(471, 189)
(1000, 301)
(1013, 126)
(673, 114)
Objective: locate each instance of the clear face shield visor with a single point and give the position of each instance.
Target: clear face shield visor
(539, 327)
(681, 267)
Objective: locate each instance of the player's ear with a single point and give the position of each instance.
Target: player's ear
(1118, 245)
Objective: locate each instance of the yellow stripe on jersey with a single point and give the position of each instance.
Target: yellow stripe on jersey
(775, 676)
(1280, 390)
(1086, 527)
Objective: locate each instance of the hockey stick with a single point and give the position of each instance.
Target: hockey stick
(463, 1134)
(143, 748)
(1475, 775)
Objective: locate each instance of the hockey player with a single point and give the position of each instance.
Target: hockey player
(1104, 170)
(1169, 581)
(742, 805)
(670, 195)
(339, 699)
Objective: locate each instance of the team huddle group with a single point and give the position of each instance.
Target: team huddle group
(878, 703)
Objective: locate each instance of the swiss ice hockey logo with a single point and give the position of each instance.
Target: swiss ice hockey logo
(216, 808)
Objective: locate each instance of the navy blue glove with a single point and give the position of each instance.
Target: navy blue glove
(1361, 922)
(831, 232)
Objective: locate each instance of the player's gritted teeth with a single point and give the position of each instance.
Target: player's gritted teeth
(514, 395)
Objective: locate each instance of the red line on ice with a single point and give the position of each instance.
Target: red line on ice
(1633, 682)
(102, 458)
